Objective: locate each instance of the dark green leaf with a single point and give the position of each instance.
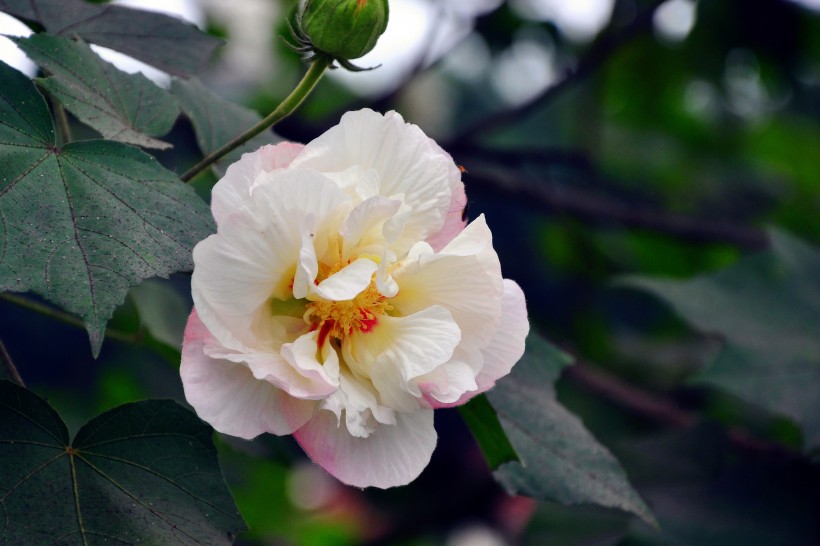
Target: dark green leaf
(483, 422)
(160, 40)
(142, 473)
(216, 121)
(82, 223)
(122, 107)
(767, 307)
(560, 459)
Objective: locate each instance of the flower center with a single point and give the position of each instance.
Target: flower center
(335, 319)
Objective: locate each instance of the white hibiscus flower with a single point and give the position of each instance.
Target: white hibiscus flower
(342, 299)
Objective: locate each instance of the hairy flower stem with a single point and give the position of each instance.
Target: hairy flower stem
(285, 108)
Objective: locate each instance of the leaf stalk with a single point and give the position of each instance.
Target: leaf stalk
(285, 108)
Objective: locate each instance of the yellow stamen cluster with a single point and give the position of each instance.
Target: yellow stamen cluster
(339, 318)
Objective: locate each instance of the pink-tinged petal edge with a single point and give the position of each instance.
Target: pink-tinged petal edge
(227, 396)
(505, 348)
(232, 192)
(454, 222)
(391, 456)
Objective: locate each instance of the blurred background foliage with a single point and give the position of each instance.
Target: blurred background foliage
(601, 138)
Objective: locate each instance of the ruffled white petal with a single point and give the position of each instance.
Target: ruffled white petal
(232, 194)
(357, 407)
(400, 349)
(465, 278)
(250, 260)
(226, 394)
(507, 345)
(392, 455)
(316, 379)
(406, 160)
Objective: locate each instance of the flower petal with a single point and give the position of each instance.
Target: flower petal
(454, 223)
(507, 345)
(317, 379)
(400, 349)
(226, 394)
(232, 193)
(347, 283)
(465, 278)
(392, 455)
(249, 261)
(406, 160)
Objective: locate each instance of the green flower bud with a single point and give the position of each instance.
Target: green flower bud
(343, 29)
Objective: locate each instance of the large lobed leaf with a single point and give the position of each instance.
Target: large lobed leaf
(122, 107)
(559, 459)
(81, 224)
(216, 121)
(767, 308)
(142, 473)
(160, 40)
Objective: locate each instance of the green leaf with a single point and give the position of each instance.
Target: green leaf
(160, 40)
(216, 121)
(162, 311)
(486, 428)
(81, 224)
(560, 459)
(142, 473)
(767, 308)
(122, 107)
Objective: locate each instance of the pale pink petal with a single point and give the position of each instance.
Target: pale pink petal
(226, 394)
(232, 193)
(465, 278)
(406, 160)
(392, 455)
(455, 221)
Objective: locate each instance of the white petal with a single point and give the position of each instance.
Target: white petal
(232, 194)
(448, 384)
(400, 349)
(356, 405)
(226, 394)
(313, 379)
(507, 345)
(369, 214)
(250, 260)
(406, 160)
(465, 278)
(392, 455)
(307, 268)
(348, 282)
(385, 283)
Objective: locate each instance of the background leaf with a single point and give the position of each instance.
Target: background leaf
(140, 473)
(162, 41)
(767, 308)
(122, 107)
(560, 459)
(216, 121)
(82, 223)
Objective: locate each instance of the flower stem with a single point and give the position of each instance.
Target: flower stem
(285, 108)
(11, 371)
